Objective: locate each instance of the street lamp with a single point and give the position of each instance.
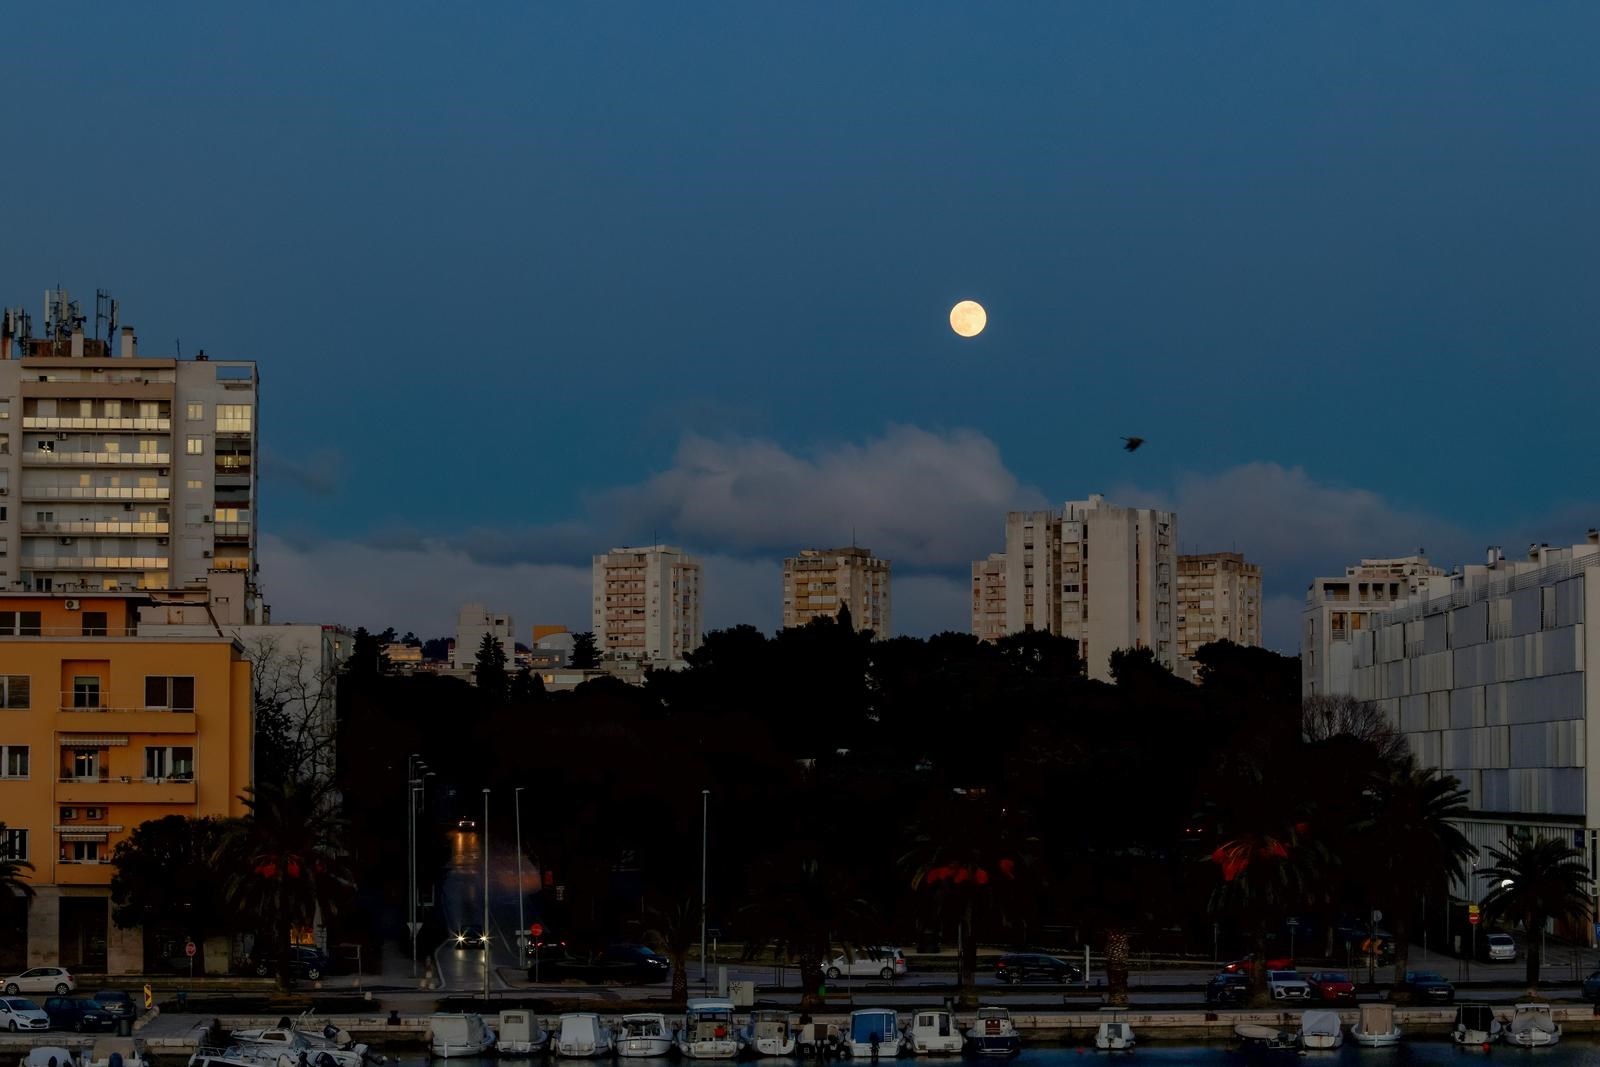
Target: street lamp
(705, 813)
(485, 894)
(414, 767)
(522, 923)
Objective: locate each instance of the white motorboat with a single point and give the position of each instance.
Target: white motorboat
(1113, 1037)
(1476, 1025)
(769, 1033)
(216, 1057)
(934, 1032)
(643, 1035)
(1376, 1028)
(1532, 1026)
(1321, 1030)
(873, 1033)
(48, 1056)
(459, 1034)
(1263, 1037)
(993, 1033)
(328, 1036)
(295, 1049)
(708, 1031)
(581, 1035)
(520, 1033)
(128, 1052)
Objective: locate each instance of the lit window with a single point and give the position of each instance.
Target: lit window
(195, 446)
(197, 412)
(233, 418)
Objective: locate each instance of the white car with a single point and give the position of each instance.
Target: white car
(881, 962)
(55, 980)
(19, 1013)
(1287, 985)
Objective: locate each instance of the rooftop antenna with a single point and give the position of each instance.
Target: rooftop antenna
(177, 343)
(102, 300)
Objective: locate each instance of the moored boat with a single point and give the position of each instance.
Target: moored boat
(1532, 1026)
(873, 1033)
(459, 1034)
(769, 1033)
(934, 1032)
(643, 1034)
(581, 1035)
(993, 1033)
(48, 1056)
(1114, 1037)
(520, 1033)
(1376, 1028)
(112, 1051)
(1321, 1030)
(1253, 1035)
(708, 1031)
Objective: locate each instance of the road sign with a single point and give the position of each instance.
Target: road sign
(413, 928)
(536, 930)
(1292, 921)
(1472, 915)
(149, 997)
(189, 949)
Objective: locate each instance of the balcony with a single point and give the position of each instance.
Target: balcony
(124, 789)
(96, 526)
(95, 563)
(63, 422)
(37, 458)
(123, 720)
(96, 492)
(86, 872)
(233, 531)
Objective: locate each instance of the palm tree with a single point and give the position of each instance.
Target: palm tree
(1535, 880)
(283, 863)
(808, 910)
(12, 885)
(674, 931)
(1410, 846)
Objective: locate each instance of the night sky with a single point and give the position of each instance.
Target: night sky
(527, 281)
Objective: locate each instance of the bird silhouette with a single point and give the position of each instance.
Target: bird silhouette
(1131, 444)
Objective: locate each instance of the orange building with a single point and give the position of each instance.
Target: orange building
(101, 729)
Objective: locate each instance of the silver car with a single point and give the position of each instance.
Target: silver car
(1500, 947)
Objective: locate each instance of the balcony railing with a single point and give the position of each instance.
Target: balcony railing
(96, 492)
(233, 531)
(96, 459)
(95, 526)
(95, 563)
(63, 422)
(69, 703)
(107, 778)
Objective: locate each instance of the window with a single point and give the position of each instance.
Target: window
(195, 446)
(148, 446)
(195, 483)
(233, 418)
(69, 814)
(161, 691)
(80, 852)
(14, 844)
(2, 513)
(94, 624)
(113, 409)
(47, 447)
(85, 691)
(174, 763)
(149, 409)
(19, 623)
(85, 763)
(94, 813)
(13, 761)
(197, 412)
(15, 689)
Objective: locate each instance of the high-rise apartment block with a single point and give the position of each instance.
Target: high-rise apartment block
(647, 605)
(120, 471)
(1339, 609)
(1493, 676)
(1219, 599)
(818, 582)
(1101, 574)
(475, 620)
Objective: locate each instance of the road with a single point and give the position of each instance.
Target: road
(461, 896)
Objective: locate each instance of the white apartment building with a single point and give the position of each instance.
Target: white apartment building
(120, 471)
(818, 582)
(646, 606)
(472, 622)
(1101, 574)
(1490, 682)
(1219, 599)
(1338, 609)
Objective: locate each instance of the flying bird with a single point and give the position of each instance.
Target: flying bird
(1131, 444)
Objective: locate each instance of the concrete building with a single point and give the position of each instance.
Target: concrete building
(551, 648)
(105, 727)
(1338, 609)
(1219, 599)
(1490, 682)
(120, 471)
(646, 607)
(473, 621)
(820, 581)
(1101, 574)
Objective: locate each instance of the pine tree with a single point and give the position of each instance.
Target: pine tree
(490, 672)
(585, 654)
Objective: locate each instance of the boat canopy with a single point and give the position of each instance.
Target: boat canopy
(1475, 1016)
(869, 1026)
(1320, 1023)
(1377, 1018)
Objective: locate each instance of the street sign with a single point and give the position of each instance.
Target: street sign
(1292, 921)
(1472, 915)
(189, 949)
(536, 930)
(413, 928)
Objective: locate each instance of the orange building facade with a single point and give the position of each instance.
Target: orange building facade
(100, 730)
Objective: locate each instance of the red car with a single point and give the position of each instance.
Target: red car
(1332, 986)
(1246, 966)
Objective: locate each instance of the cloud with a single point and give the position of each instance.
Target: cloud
(317, 473)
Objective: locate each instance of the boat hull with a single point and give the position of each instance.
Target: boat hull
(724, 1049)
(938, 1046)
(771, 1046)
(1383, 1040)
(862, 1050)
(642, 1047)
(583, 1052)
(450, 1049)
(1531, 1038)
(996, 1045)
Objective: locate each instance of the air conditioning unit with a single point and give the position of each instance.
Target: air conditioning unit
(166, 471)
(72, 605)
(66, 540)
(61, 437)
(206, 553)
(4, 490)
(205, 518)
(163, 540)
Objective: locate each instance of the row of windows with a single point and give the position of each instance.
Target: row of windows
(14, 846)
(161, 691)
(160, 762)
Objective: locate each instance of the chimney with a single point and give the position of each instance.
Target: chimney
(130, 344)
(1533, 550)
(1594, 536)
(77, 343)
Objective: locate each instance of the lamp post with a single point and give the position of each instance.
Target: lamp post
(485, 894)
(522, 923)
(705, 814)
(414, 766)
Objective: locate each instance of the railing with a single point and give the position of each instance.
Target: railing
(1461, 597)
(63, 422)
(233, 531)
(95, 526)
(96, 492)
(67, 705)
(69, 631)
(112, 459)
(67, 775)
(95, 563)
(107, 778)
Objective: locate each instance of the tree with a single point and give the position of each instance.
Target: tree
(13, 888)
(808, 909)
(1323, 718)
(284, 862)
(585, 654)
(526, 687)
(490, 671)
(1534, 880)
(1410, 845)
(367, 658)
(673, 930)
(295, 697)
(166, 877)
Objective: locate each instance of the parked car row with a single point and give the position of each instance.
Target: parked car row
(1335, 987)
(80, 1014)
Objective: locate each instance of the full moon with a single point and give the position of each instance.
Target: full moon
(968, 318)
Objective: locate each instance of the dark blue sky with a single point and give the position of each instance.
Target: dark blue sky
(504, 264)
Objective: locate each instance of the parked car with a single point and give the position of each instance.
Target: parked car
(1287, 985)
(20, 1013)
(82, 1014)
(1591, 987)
(1247, 965)
(867, 962)
(116, 1003)
(1018, 967)
(470, 936)
(613, 965)
(1430, 987)
(1499, 948)
(1228, 988)
(305, 961)
(1334, 987)
(57, 980)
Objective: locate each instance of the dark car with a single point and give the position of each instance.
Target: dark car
(305, 961)
(612, 965)
(1018, 967)
(115, 1003)
(78, 1013)
(1333, 987)
(1228, 988)
(1591, 987)
(1430, 987)
(470, 936)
